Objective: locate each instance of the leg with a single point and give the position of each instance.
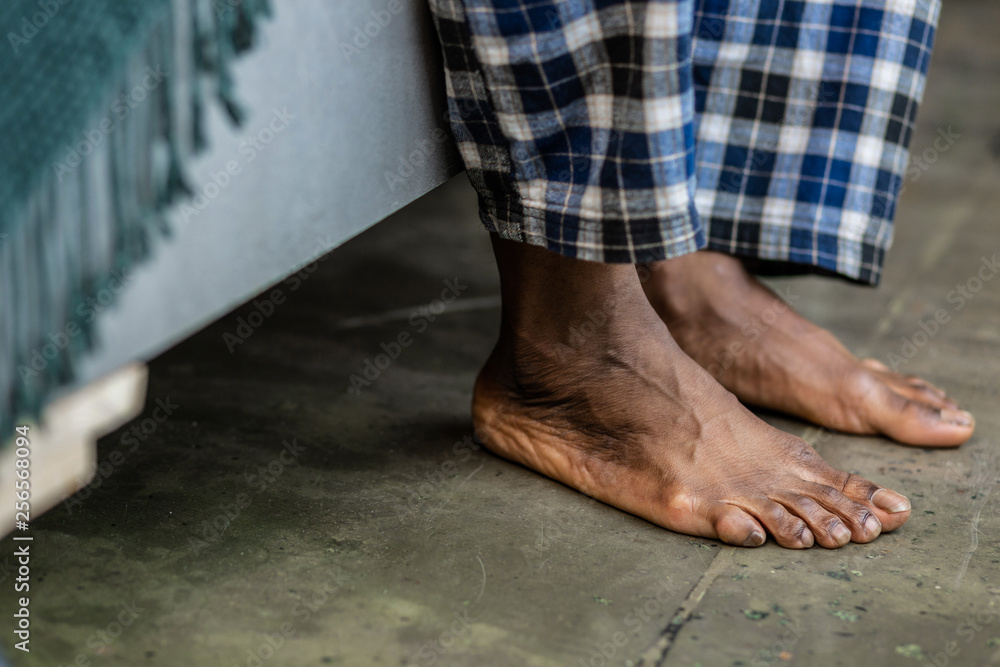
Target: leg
(616, 410)
(760, 349)
(576, 127)
(801, 152)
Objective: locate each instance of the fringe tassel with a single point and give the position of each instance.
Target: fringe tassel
(64, 250)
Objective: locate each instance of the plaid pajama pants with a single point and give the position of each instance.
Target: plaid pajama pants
(639, 130)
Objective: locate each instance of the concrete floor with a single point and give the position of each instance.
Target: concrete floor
(274, 518)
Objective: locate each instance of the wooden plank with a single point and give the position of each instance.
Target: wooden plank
(63, 449)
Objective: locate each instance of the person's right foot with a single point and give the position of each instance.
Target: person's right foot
(619, 412)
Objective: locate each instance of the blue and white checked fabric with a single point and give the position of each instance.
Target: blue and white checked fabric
(639, 130)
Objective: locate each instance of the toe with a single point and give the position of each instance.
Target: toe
(891, 508)
(734, 526)
(788, 530)
(913, 422)
(859, 518)
(917, 390)
(910, 386)
(937, 392)
(876, 365)
(828, 529)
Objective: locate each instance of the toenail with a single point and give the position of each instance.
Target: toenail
(890, 501)
(958, 417)
(873, 526)
(755, 540)
(841, 534)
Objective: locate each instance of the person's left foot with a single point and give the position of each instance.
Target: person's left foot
(757, 347)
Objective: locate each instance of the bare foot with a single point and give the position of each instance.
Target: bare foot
(756, 346)
(586, 386)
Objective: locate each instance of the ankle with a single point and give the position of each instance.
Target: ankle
(695, 284)
(548, 298)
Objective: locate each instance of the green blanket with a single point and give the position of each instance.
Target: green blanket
(101, 103)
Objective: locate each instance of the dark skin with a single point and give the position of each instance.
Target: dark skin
(768, 355)
(588, 386)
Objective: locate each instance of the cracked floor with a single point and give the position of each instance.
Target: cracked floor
(276, 518)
